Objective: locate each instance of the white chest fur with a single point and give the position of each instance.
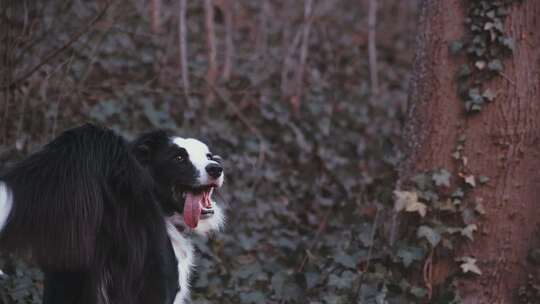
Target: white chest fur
(183, 250)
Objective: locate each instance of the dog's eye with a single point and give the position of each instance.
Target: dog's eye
(179, 158)
(209, 156)
(217, 158)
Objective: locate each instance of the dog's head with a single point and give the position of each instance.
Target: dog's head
(185, 173)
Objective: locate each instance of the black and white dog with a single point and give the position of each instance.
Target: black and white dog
(100, 214)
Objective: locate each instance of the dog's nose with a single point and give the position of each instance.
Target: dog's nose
(214, 170)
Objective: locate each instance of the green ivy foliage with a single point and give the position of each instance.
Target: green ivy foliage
(22, 284)
(486, 45)
(309, 193)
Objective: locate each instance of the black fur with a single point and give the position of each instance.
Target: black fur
(91, 214)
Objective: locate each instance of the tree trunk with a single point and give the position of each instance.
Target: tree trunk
(503, 143)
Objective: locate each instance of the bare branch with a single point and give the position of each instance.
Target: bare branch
(183, 45)
(212, 72)
(308, 7)
(237, 112)
(56, 52)
(56, 105)
(288, 60)
(243, 118)
(104, 31)
(6, 74)
(261, 40)
(372, 46)
(228, 9)
(155, 16)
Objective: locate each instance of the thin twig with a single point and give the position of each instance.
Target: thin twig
(62, 96)
(308, 7)
(287, 62)
(372, 46)
(370, 250)
(261, 40)
(373, 231)
(97, 45)
(320, 229)
(140, 35)
(183, 45)
(7, 61)
(343, 196)
(155, 16)
(211, 75)
(28, 45)
(20, 124)
(228, 9)
(238, 113)
(56, 52)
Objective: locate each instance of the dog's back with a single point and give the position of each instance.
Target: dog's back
(84, 207)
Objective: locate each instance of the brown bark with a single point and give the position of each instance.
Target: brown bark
(503, 143)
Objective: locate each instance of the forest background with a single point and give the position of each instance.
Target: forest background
(305, 100)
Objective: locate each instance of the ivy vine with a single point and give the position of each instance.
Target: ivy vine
(447, 216)
(485, 45)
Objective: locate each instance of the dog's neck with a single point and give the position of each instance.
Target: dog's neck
(183, 250)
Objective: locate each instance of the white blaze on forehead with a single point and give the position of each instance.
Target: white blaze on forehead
(197, 152)
(194, 147)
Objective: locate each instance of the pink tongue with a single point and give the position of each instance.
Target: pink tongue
(192, 209)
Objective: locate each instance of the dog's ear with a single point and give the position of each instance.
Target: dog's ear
(142, 153)
(145, 145)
